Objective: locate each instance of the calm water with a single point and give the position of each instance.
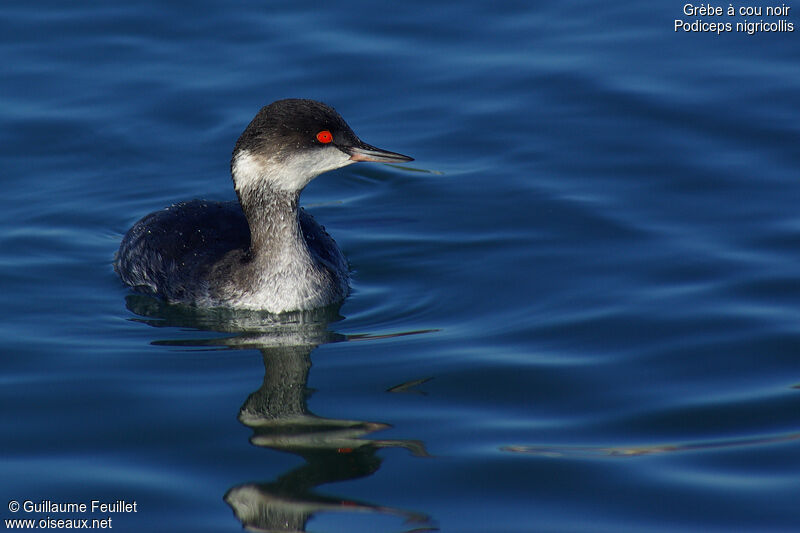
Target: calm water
(577, 310)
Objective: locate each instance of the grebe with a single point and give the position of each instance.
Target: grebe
(261, 252)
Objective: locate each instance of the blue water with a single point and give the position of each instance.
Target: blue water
(577, 310)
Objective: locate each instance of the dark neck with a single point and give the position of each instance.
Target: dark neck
(273, 219)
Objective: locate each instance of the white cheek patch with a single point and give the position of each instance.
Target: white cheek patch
(246, 169)
(291, 174)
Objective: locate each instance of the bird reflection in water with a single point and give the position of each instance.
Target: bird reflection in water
(333, 449)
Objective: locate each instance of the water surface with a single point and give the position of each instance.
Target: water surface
(577, 310)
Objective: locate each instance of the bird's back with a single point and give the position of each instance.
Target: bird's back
(169, 252)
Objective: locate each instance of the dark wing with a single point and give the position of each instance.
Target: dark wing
(169, 253)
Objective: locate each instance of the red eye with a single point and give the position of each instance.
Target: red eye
(324, 137)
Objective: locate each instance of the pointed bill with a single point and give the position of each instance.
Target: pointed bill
(366, 152)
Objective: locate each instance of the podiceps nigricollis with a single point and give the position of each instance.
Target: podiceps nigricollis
(262, 252)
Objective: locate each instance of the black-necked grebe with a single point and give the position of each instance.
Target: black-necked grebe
(262, 252)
